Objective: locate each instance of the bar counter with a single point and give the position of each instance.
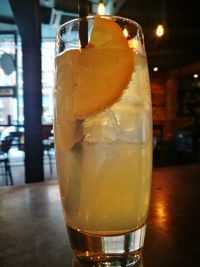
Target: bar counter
(32, 229)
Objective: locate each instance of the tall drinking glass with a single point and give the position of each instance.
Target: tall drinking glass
(103, 137)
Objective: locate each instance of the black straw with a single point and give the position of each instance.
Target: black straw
(83, 9)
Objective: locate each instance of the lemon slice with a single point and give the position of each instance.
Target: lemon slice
(105, 69)
(103, 76)
(91, 79)
(107, 34)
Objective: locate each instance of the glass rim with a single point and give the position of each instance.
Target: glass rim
(91, 17)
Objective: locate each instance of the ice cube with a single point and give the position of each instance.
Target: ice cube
(102, 127)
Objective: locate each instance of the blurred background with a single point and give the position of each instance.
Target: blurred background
(27, 41)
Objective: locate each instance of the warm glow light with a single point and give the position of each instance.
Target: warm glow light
(155, 69)
(160, 30)
(162, 217)
(101, 8)
(125, 32)
(195, 75)
(161, 213)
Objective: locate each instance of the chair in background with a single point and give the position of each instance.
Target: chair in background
(48, 144)
(5, 170)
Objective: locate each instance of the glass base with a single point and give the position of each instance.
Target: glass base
(120, 250)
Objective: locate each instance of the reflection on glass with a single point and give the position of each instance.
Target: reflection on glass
(76, 263)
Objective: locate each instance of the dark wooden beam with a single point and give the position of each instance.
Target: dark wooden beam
(27, 17)
(7, 20)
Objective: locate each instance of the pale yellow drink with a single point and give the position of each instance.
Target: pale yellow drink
(96, 202)
(103, 138)
(105, 180)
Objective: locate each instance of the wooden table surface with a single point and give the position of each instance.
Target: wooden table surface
(32, 230)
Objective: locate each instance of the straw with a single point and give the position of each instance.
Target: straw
(83, 9)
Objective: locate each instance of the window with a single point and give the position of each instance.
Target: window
(48, 54)
(8, 78)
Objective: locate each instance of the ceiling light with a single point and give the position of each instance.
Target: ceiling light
(101, 8)
(155, 69)
(195, 75)
(160, 31)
